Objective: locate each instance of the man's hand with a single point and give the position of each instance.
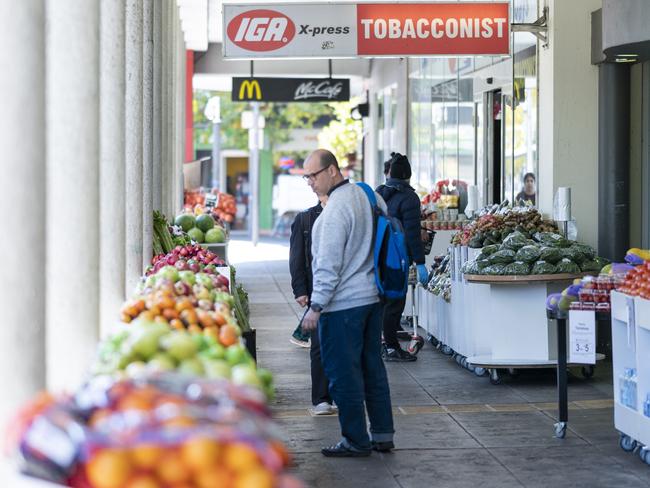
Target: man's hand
(302, 301)
(310, 322)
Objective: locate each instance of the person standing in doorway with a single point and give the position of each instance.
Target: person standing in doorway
(527, 195)
(301, 282)
(403, 204)
(346, 309)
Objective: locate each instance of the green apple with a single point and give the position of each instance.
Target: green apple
(192, 367)
(179, 345)
(187, 277)
(216, 368)
(265, 376)
(205, 280)
(236, 354)
(146, 337)
(170, 273)
(161, 362)
(214, 351)
(244, 374)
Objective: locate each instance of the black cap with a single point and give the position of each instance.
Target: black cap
(400, 167)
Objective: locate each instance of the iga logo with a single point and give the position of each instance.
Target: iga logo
(261, 30)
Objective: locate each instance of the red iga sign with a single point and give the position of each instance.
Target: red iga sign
(261, 30)
(433, 29)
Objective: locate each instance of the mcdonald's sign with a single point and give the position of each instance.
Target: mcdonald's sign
(290, 90)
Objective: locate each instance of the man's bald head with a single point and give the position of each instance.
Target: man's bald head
(322, 171)
(325, 158)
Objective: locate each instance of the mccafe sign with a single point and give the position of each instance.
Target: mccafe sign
(285, 30)
(290, 90)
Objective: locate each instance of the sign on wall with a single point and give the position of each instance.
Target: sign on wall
(290, 90)
(285, 30)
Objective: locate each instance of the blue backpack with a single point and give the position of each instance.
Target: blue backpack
(390, 254)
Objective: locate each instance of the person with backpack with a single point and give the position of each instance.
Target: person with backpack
(301, 282)
(346, 308)
(403, 204)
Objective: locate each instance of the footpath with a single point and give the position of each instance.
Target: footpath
(453, 429)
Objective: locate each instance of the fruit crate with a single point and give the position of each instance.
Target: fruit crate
(220, 249)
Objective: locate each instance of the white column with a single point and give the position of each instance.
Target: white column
(147, 131)
(111, 171)
(180, 117)
(133, 142)
(157, 103)
(173, 82)
(22, 195)
(164, 116)
(72, 118)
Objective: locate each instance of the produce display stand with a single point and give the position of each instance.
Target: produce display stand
(562, 364)
(220, 249)
(631, 349)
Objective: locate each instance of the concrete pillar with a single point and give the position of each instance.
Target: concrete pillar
(133, 142)
(164, 116)
(72, 118)
(180, 116)
(157, 103)
(111, 169)
(173, 80)
(147, 131)
(22, 189)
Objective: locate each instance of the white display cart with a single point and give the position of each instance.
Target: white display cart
(495, 322)
(631, 349)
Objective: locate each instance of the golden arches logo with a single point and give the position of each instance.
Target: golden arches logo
(250, 87)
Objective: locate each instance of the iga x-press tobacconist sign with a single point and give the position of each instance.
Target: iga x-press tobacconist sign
(348, 30)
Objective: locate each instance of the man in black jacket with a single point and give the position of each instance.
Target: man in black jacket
(300, 259)
(403, 204)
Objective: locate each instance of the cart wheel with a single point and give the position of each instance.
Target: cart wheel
(494, 377)
(644, 454)
(587, 371)
(560, 430)
(447, 350)
(415, 345)
(627, 443)
(463, 362)
(513, 372)
(470, 367)
(478, 371)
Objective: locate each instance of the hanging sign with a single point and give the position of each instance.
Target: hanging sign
(582, 337)
(290, 90)
(327, 30)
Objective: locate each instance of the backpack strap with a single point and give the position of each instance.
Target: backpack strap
(369, 193)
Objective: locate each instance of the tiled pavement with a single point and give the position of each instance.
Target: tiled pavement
(453, 429)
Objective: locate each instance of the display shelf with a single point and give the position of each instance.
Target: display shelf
(488, 361)
(642, 312)
(219, 248)
(523, 280)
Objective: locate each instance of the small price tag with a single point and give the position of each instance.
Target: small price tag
(210, 200)
(582, 337)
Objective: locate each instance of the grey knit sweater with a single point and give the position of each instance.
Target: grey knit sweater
(342, 251)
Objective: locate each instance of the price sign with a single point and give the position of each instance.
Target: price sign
(210, 200)
(582, 337)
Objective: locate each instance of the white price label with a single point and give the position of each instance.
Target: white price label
(582, 337)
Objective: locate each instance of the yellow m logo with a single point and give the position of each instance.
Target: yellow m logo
(250, 87)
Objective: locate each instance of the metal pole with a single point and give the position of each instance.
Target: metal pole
(216, 149)
(253, 172)
(563, 414)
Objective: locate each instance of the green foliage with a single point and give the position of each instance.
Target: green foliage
(343, 134)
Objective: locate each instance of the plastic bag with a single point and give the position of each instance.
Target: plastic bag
(518, 268)
(550, 255)
(470, 267)
(494, 270)
(528, 254)
(590, 266)
(488, 250)
(505, 256)
(515, 241)
(551, 239)
(567, 266)
(543, 267)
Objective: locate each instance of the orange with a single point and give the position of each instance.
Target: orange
(143, 481)
(171, 469)
(212, 332)
(227, 335)
(200, 453)
(146, 456)
(194, 329)
(240, 457)
(214, 477)
(219, 319)
(255, 478)
(109, 468)
(177, 324)
(179, 421)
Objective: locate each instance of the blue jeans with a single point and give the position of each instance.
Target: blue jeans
(351, 353)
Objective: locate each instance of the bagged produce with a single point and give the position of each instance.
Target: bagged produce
(470, 267)
(543, 267)
(482, 263)
(495, 269)
(528, 254)
(518, 268)
(551, 239)
(590, 266)
(488, 250)
(584, 249)
(550, 254)
(567, 266)
(505, 256)
(515, 241)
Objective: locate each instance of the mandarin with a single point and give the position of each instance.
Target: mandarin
(109, 468)
(200, 452)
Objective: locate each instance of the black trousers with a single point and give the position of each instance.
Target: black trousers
(319, 382)
(391, 321)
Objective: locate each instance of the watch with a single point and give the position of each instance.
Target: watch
(316, 307)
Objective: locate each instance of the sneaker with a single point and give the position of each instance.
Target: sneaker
(339, 450)
(383, 446)
(298, 342)
(323, 408)
(398, 355)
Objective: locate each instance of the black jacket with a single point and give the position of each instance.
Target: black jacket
(404, 204)
(300, 251)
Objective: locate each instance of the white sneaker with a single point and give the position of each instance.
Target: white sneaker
(299, 343)
(323, 408)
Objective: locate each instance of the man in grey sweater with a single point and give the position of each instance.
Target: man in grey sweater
(346, 309)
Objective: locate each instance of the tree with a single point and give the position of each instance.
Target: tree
(343, 134)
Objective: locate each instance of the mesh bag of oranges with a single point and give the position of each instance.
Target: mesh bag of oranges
(163, 431)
